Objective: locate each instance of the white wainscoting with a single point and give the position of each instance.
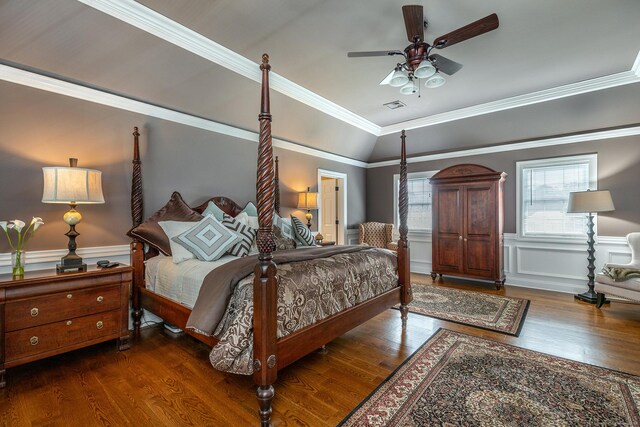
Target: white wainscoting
(550, 265)
(42, 260)
(352, 236)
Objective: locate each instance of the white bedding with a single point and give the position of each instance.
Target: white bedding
(179, 282)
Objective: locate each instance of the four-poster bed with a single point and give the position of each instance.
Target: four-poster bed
(270, 352)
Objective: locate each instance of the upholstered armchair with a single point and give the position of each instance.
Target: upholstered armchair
(628, 289)
(377, 234)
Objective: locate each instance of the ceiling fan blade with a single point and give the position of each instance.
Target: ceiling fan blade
(387, 79)
(445, 65)
(374, 53)
(414, 22)
(481, 26)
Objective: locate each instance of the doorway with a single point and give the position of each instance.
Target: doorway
(332, 209)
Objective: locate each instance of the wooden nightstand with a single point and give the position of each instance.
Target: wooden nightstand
(46, 313)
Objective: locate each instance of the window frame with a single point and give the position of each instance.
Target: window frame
(591, 159)
(396, 212)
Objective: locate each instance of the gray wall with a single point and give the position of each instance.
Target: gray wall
(43, 129)
(618, 161)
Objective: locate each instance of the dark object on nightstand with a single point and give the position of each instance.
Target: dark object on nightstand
(44, 313)
(105, 263)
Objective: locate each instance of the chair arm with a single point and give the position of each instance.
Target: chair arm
(393, 246)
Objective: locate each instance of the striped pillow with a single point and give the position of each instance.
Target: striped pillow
(208, 240)
(246, 234)
(303, 234)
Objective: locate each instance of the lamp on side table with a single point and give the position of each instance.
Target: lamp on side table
(74, 186)
(590, 202)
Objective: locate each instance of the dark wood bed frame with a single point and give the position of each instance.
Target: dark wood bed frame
(269, 353)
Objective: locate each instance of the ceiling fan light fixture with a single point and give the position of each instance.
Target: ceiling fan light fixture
(425, 69)
(399, 79)
(435, 81)
(409, 89)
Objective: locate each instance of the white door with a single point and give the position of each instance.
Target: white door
(329, 211)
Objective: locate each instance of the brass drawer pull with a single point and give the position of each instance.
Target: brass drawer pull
(34, 311)
(69, 296)
(69, 322)
(34, 340)
(99, 324)
(100, 298)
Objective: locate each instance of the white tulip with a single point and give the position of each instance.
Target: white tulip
(19, 225)
(3, 225)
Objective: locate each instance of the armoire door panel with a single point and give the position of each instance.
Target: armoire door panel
(480, 210)
(479, 257)
(449, 211)
(449, 256)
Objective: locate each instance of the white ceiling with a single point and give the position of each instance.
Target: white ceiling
(540, 44)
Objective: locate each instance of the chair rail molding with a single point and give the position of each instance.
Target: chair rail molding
(44, 260)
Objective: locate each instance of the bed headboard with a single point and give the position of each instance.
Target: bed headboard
(227, 205)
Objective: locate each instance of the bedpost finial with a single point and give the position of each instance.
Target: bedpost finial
(265, 62)
(135, 131)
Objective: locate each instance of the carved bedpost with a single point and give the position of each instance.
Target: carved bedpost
(404, 271)
(265, 287)
(277, 192)
(137, 248)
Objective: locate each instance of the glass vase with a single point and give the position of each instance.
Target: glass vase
(17, 263)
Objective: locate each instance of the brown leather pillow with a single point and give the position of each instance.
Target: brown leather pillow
(152, 234)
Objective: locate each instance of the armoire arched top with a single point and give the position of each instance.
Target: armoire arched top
(467, 170)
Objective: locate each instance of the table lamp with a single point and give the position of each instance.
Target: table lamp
(308, 200)
(590, 202)
(74, 186)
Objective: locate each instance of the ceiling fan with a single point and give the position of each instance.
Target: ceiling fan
(419, 62)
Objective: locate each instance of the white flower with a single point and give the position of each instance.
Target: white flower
(36, 222)
(3, 225)
(19, 225)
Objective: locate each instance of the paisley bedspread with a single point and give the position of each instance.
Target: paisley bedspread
(308, 292)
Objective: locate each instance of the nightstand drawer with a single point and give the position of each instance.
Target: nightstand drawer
(32, 341)
(60, 306)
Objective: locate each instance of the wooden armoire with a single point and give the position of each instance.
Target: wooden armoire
(468, 218)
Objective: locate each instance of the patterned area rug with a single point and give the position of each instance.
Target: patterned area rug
(455, 379)
(493, 312)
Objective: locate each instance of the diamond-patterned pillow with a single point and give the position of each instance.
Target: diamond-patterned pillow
(302, 232)
(285, 226)
(246, 234)
(208, 240)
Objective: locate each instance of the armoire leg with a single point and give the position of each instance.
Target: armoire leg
(499, 284)
(265, 396)
(433, 277)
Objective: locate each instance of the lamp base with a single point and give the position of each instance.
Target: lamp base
(590, 296)
(71, 264)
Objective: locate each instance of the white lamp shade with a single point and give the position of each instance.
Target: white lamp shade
(409, 88)
(72, 185)
(435, 81)
(399, 79)
(307, 200)
(590, 201)
(425, 69)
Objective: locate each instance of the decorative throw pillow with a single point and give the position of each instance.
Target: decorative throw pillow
(282, 242)
(172, 229)
(246, 234)
(250, 209)
(303, 234)
(251, 221)
(151, 233)
(214, 210)
(284, 225)
(208, 240)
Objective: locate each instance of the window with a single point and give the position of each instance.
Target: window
(543, 194)
(420, 201)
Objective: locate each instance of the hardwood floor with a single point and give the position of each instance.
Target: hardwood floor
(167, 380)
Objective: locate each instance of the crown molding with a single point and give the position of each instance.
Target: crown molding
(564, 91)
(159, 25)
(61, 87)
(152, 22)
(525, 145)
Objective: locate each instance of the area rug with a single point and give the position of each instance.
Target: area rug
(493, 312)
(456, 379)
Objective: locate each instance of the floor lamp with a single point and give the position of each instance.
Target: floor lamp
(590, 202)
